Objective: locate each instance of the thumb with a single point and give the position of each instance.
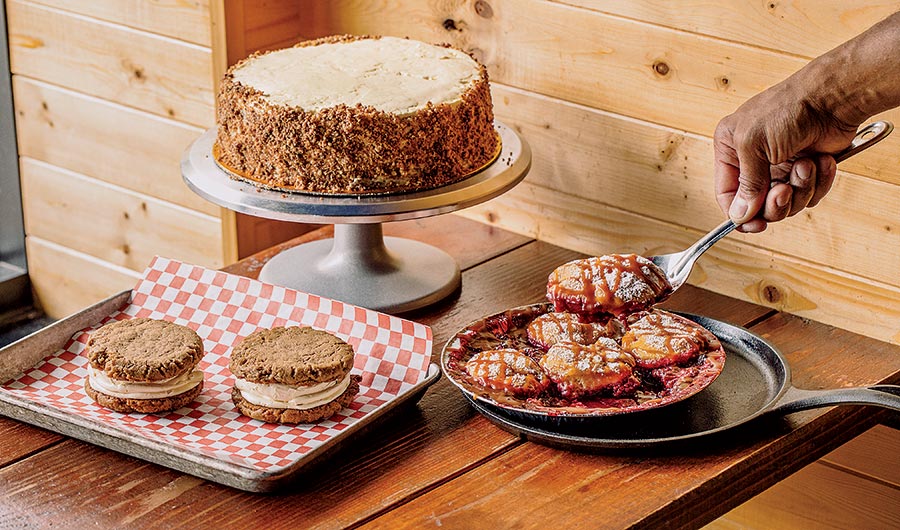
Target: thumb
(753, 185)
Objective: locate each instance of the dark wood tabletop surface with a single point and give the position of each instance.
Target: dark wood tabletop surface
(440, 463)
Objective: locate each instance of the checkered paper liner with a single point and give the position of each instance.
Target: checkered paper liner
(391, 354)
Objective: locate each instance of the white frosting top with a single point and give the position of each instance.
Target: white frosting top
(101, 382)
(278, 396)
(393, 75)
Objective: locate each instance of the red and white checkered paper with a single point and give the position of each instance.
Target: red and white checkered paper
(392, 356)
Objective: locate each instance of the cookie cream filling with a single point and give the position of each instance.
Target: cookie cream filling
(179, 384)
(393, 75)
(278, 396)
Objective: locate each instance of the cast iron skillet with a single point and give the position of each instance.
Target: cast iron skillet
(755, 383)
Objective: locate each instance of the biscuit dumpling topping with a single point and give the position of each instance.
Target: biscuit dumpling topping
(550, 328)
(580, 370)
(613, 284)
(662, 339)
(508, 370)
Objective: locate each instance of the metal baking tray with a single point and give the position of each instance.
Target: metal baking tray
(26, 353)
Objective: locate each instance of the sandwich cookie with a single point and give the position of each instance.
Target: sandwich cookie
(292, 375)
(143, 365)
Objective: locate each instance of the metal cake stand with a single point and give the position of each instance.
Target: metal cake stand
(360, 265)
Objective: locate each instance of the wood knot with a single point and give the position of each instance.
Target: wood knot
(661, 68)
(491, 218)
(771, 294)
(25, 42)
(484, 9)
(450, 25)
(722, 81)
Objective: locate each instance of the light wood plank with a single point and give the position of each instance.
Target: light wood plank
(116, 144)
(66, 281)
(818, 496)
(657, 74)
(800, 27)
(859, 454)
(158, 74)
(666, 174)
(188, 21)
(731, 267)
(111, 223)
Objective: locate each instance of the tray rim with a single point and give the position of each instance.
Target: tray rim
(127, 442)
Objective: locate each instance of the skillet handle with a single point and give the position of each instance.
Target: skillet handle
(795, 400)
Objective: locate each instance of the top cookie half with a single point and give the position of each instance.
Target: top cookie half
(144, 349)
(291, 356)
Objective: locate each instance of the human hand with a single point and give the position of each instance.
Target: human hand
(772, 156)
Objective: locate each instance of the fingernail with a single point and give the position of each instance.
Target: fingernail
(803, 170)
(738, 210)
(782, 200)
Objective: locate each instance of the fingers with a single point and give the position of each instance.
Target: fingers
(826, 169)
(754, 192)
(757, 224)
(753, 183)
(725, 166)
(778, 202)
(803, 185)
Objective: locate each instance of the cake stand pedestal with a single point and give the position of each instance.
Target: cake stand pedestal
(360, 266)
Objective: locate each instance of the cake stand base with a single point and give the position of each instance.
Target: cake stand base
(362, 267)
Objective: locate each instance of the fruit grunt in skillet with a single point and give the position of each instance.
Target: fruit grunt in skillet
(598, 348)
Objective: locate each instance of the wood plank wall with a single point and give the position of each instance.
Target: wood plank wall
(108, 94)
(619, 100)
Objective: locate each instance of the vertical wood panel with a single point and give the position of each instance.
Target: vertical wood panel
(259, 25)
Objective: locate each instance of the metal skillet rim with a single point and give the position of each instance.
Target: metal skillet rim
(539, 415)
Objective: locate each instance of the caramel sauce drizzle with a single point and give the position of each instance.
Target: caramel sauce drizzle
(545, 333)
(668, 329)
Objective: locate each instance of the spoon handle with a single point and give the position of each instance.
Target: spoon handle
(868, 136)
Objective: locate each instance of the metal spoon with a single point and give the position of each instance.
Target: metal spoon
(678, 265)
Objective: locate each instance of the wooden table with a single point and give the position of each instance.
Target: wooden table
(443, 465)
